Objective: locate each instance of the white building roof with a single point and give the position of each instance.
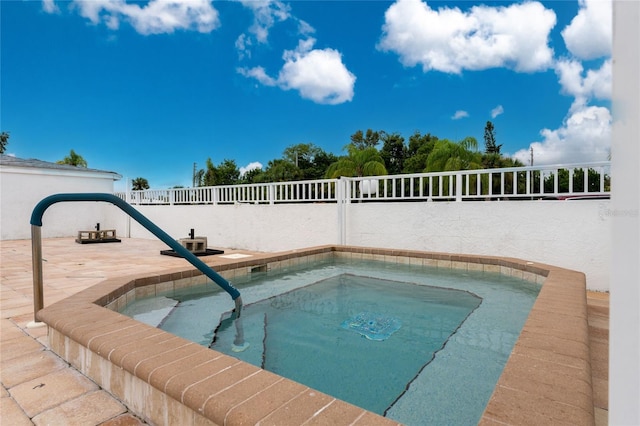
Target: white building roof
(36, 166)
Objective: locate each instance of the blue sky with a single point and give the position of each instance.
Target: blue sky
(146, 89)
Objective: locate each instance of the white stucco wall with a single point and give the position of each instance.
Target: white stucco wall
(22, 188)
(571, 234)
(252, 227)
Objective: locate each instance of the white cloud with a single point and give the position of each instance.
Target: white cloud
(265, 15)
(243, 43)
(259, 74)
(589, 35)
(251, 166)
(304, 28)
(584, 136)
(49, 6)
(450, 40)
(459, 114)
(317, 74)
(155, 17)
(497, 111)
(573, 81)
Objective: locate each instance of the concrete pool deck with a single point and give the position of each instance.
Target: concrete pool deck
(41, 388)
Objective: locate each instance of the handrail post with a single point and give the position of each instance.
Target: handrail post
(36, 260)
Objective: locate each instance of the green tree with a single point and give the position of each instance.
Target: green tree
(139, 184)
(253, 176)
(300, 154)
(491, 161)
(359, 162)
(310, 159)
(4, 141)
(321, 162)
(368, 140)
(226, 173)
(420, 146)
(198, 178)
(490, 139)
(494, 161)
(209, 177)
(393, 152)
(73, 159)
(592, 184)
(450, 156)
(282, 170)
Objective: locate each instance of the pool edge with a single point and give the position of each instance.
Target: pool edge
(140, 365)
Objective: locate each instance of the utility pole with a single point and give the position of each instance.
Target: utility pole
(531, 161)
(194, 175)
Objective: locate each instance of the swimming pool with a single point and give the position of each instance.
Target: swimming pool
(450, 382)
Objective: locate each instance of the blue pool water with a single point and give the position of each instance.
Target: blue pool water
(419, 345)
(303, 327)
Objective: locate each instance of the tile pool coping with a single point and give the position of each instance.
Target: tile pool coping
(166, 379)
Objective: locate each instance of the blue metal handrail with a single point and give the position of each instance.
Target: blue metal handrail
(36, 244)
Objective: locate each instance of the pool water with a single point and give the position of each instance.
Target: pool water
(301, 328)
(419, 345)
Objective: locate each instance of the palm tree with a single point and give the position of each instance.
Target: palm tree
(450, 156)
(198, 178)
(139, 184)
(73, 159)
(359, 162)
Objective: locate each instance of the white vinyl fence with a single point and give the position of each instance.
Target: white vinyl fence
(524, 183)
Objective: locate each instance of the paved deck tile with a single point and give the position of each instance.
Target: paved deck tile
(39, 387)
(88, 409)
(45, 392)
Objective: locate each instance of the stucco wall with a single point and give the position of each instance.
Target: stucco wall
(250, 227)
(569, 234)
(20, 192)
